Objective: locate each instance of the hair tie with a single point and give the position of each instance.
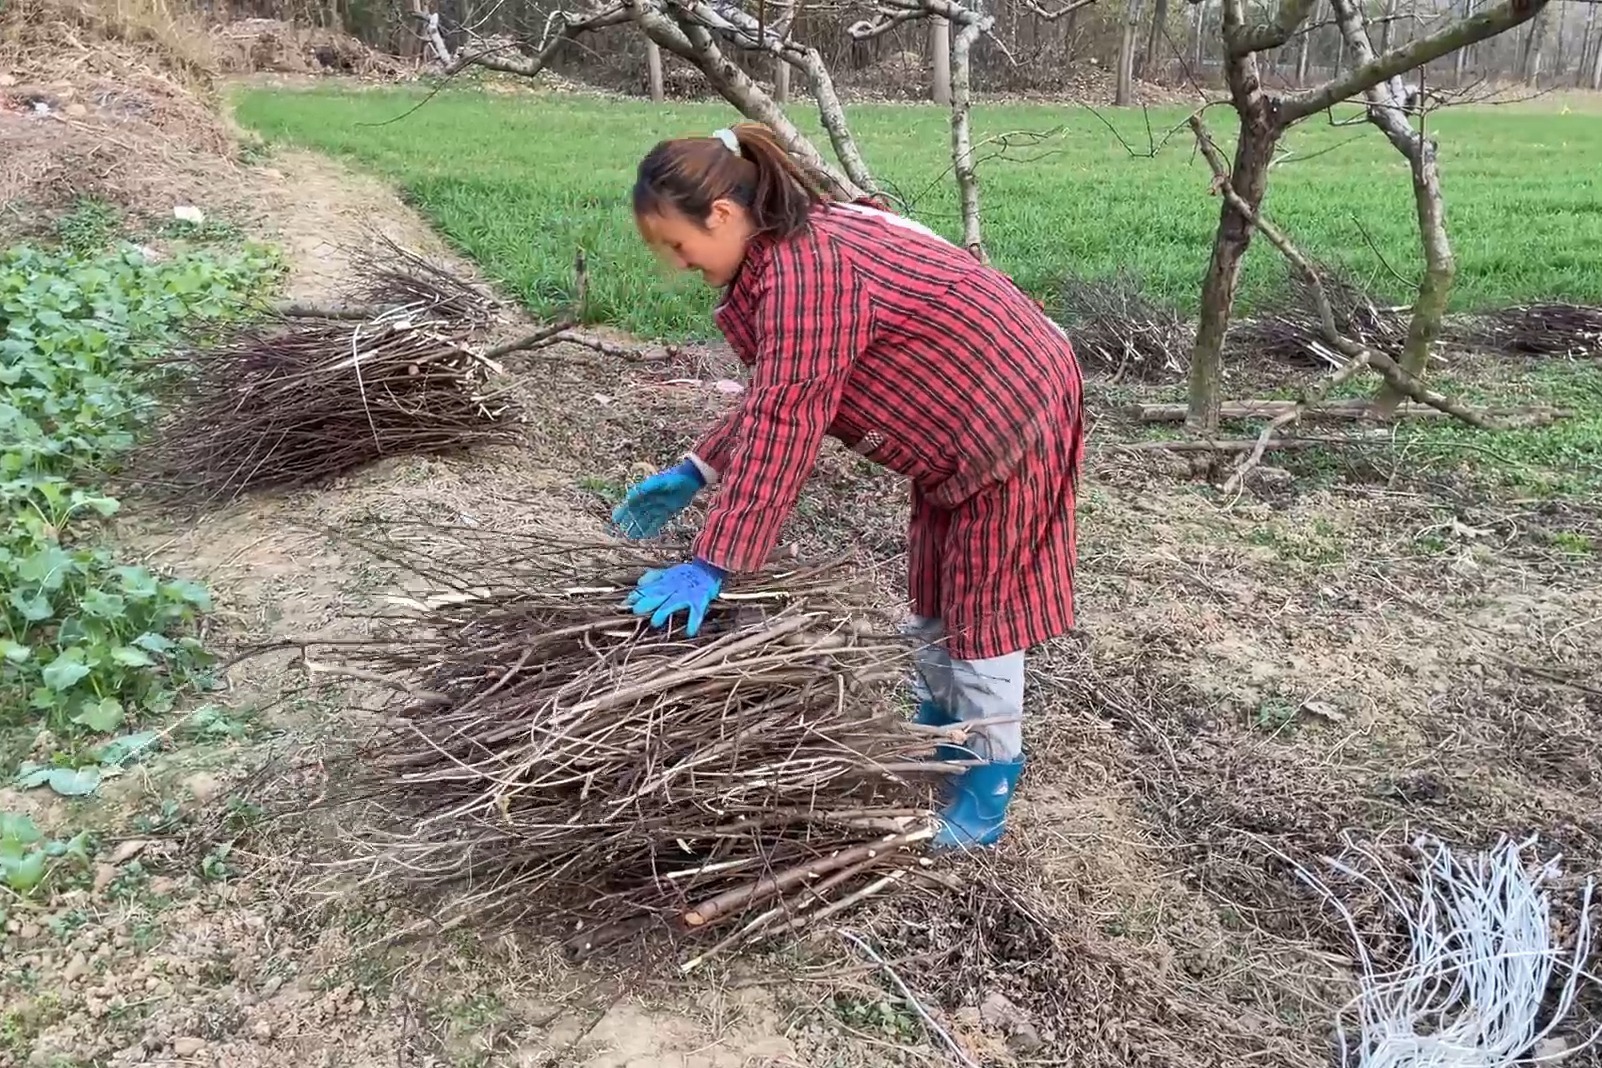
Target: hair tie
(730, 142)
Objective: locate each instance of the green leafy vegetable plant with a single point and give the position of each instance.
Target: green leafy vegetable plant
(89, 644)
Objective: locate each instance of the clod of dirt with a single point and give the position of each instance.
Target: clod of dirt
(1002, 1015)
(204, 786)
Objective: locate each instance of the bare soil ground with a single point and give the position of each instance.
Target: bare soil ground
(1349, 649)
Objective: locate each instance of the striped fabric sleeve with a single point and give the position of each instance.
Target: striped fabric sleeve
(813, 322)
(711, 453)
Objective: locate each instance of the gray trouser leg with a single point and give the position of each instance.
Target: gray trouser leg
(972, 690)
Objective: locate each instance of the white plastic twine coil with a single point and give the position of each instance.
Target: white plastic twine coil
(1480, 962)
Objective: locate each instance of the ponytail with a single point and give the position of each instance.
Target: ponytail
(687, 174)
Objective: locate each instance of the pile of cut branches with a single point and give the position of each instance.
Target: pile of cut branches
(1570, 330)
(549, 759)
(294, 403)
(395, 278)
(1117, 330)
(1293, 332)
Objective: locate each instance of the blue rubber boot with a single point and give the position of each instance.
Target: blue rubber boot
(930, 714)
(976, 814)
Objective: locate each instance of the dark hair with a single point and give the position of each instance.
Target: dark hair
(687, 174)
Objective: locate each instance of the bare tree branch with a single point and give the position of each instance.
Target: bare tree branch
(694, 43)
(746, 32)
(1067, 9)
(1267, 35)
(1460, 34)
(568, 27)
(868, 29)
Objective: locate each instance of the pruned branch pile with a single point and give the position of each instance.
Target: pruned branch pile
(289, 404)
(1294, 332)
(550, 759)
(1119, 331)
(394, 277)
(1572, 330)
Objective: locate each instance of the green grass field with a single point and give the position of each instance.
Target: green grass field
(519, 180)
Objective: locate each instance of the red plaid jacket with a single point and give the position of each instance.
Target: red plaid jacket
(873, 330)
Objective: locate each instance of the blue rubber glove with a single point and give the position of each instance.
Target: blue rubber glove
(691, 586)
(650, 504)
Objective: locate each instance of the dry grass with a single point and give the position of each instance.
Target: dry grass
(65, 35)
(129, 110)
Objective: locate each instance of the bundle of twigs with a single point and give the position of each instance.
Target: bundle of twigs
(551, 759)
(393, 277)
(1119, 331)
(1293, 330)
(1570, 330)
(294, 403)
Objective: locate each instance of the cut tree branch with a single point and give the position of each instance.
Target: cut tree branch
(1460, 34)
(1310, 396)
(1228, 445)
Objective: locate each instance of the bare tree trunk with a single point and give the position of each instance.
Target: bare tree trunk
(1542, 24)
(1249, 178)
(1596, 65)
(1557, 60)
(781, 66)
(1530, 59)
(1307, 41)
(653, 68)
(1390, 22)
(1460, 61)
(1585, 46)
(940, 53)
(1155, 39)
(1124, 94)
(1198, 19)
(962, 142)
